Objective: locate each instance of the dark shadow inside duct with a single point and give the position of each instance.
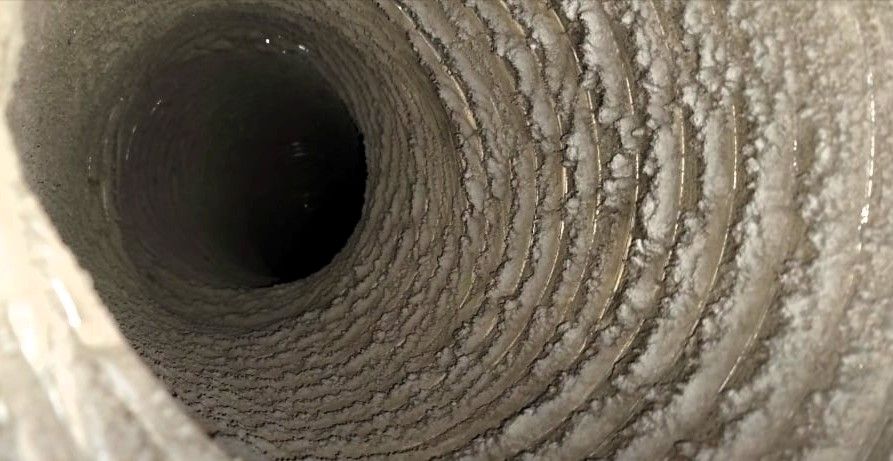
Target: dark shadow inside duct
(243, 167)
(221, 156)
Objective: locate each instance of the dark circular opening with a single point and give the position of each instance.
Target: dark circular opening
(243, 167)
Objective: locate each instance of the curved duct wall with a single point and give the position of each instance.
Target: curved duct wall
(561, 229)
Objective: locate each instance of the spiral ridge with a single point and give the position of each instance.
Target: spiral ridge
(630, 230)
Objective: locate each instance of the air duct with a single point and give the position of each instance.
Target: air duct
(436, 229)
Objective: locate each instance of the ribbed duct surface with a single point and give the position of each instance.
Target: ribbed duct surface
(482, 228)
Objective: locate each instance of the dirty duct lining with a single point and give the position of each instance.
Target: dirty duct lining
(419, 229)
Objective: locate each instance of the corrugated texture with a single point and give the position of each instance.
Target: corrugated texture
(632, 230)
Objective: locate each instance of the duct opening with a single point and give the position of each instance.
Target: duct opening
(242, 167)
(253, 188)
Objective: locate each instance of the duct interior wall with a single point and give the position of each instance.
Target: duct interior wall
(419, 229)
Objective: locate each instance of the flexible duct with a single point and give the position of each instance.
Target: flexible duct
(419, 229)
